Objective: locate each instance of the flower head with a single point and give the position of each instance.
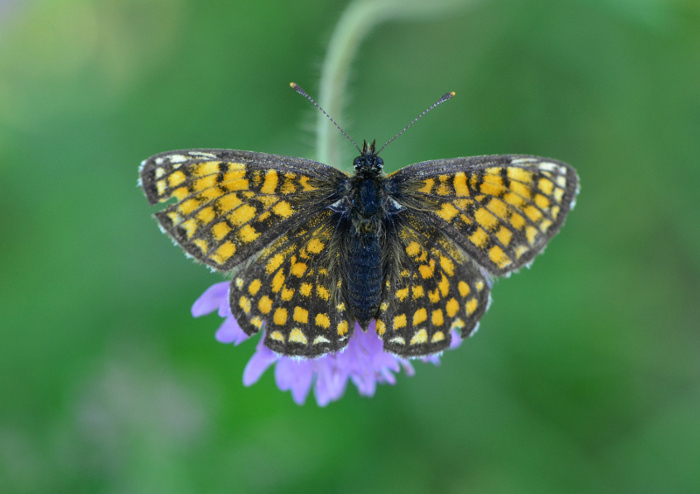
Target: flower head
(363, 362)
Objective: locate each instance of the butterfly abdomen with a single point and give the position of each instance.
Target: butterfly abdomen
(365, 274)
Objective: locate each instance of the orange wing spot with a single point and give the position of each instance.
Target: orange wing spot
(541, 201)
(278, 281)
(531, 234)
(315, 246)
(202, 244)
(447, 212)
(288, 187)
(299, 269)
(270, 182)
(521, 189)
(402, 294)
(452, 307)
(276, 335)
(499, 208)
(471, 306)
(417, 292)
(544, 226)
(463, 288)
(399, 322)
(228, 203)
(443, 189)
(519, 174)
(206, 215)
(301, 315)
(280, 317)
(533, 213)
(244, 303)
(254, 286)
(283, 209)
(413, 249)
(427, 270)
(546, 186)
(342, 328)
(287, 294)
(176, 178)
(427, 186)
(479, 238)
(380, 327)
(492, 185)
(437, 318)
(265, 304)
(188, 206)
(273, 263)
(243, 215)
(323, 292)
(304, 182)
(419, 316)
(444, 286)
(305, 289)
(447, 266)
(517, 220)
(224, 252)
(248, 234)
(504, 236)
(220, 230)
(498, 257)
(460, 185)
(485, 218)
(514, 200)
(434, 296)
(323, 321)
(554, 212)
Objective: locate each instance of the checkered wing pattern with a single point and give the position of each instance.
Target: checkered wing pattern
(432, 288)
(292, 289)
(229, 205)
(502, 210)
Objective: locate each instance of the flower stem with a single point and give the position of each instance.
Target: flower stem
(360, 17)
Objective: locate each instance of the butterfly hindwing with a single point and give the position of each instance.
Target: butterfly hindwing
(501, 209)
(291, 290)
(231, 204)
(432, 288)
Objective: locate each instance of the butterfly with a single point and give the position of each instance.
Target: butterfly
(312, 250)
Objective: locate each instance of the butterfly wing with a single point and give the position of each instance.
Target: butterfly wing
(231, 204)
(502, 210)
(432, 286)
(265, 219)
(458, 222)
(291, 288)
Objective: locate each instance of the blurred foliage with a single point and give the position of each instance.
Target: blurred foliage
(585, 376)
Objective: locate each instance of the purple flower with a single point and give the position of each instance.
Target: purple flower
(363, 362)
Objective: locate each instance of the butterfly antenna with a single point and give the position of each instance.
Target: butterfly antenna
(438, 102)
(301, 91)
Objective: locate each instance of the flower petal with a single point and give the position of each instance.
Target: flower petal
(211, 299)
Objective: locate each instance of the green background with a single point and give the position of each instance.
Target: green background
(585, 375)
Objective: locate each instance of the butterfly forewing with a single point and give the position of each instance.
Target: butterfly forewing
(231, 204)
(501, 209)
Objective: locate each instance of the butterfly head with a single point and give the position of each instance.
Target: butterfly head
(368, 162)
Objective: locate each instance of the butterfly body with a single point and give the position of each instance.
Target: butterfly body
(313, 250)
